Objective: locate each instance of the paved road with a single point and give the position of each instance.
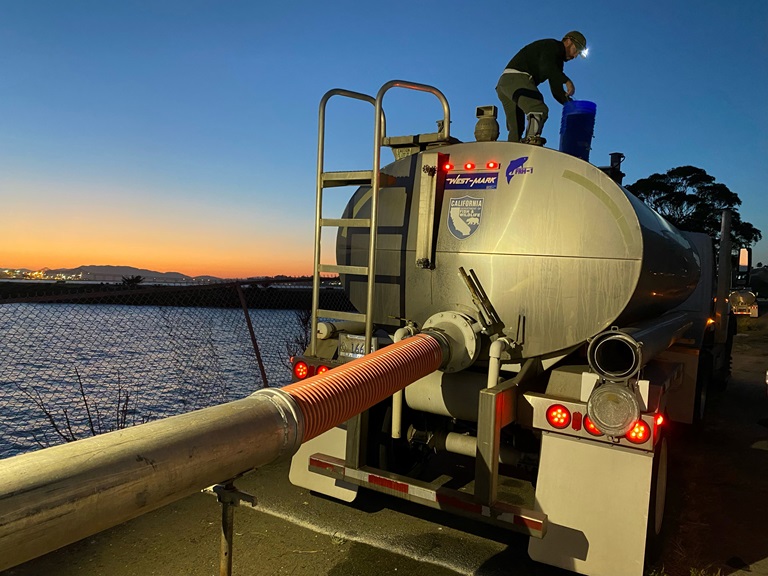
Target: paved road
(717, 501)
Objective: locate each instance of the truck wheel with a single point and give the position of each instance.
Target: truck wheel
(653, 538)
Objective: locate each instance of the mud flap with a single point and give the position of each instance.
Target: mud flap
(596, 499)
(333, 443)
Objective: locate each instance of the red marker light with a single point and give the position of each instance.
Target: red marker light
(657, 422)
(322, 369)
(447, 166)
(469, 166)
(492, 165)
(558, 416)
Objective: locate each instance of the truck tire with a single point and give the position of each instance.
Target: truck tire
(653, 538)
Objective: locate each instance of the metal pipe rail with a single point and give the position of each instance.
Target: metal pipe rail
(381, 124)
(56, 496)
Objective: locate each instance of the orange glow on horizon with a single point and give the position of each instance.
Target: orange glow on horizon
(148, 229)
(221, 268)
(193, 260)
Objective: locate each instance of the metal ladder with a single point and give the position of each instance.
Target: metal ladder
(370, 178)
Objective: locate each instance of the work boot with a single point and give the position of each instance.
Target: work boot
(534, 140)
(533, 134)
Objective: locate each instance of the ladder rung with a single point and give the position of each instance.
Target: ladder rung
(338, 315)
(346, 222)
(352, 178)
(359, 270)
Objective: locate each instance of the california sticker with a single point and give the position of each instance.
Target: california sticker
(464, 216)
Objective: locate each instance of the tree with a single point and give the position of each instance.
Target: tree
(132, 281)
(690, 199)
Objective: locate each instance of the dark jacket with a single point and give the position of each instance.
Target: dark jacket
(543, 60)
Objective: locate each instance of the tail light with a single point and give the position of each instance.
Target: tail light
(590, 427)
(640, 432)
(558, 416)
(301, 370)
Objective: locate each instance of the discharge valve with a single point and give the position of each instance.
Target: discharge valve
(457, 334)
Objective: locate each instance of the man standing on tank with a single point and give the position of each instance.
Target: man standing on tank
(517, 88)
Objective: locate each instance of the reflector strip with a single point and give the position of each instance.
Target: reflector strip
(458, 503)
(387, 483)
(529, 522)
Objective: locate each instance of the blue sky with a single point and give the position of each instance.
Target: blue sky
(181, 135)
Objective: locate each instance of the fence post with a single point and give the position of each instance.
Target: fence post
(244, 305)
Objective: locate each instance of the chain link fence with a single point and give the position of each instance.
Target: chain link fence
(77, 361)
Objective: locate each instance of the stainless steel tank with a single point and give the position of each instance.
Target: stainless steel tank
(741, 298)
(551, 238)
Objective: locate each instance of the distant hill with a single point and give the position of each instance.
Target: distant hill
(105, 273)
(20, 270)
(116, 273)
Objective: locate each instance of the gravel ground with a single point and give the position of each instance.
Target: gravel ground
(718, 485)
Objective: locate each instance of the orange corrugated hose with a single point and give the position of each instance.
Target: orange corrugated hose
(334, 397)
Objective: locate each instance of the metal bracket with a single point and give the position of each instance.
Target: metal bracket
(229, 497)
(227, 493)
(430, 186)
(497, 408)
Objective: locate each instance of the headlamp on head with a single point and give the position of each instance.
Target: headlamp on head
(579, 41)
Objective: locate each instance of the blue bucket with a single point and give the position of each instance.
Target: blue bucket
(577, 128)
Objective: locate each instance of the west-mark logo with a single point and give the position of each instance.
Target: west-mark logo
(517, 167)
(477, 181)
(464, 216)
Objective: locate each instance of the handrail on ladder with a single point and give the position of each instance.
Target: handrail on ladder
(379, 135)
(319, 197)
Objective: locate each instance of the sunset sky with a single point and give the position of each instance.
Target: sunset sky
(181, 135)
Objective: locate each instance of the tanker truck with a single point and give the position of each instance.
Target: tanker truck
(575, 323)
(743, 301)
